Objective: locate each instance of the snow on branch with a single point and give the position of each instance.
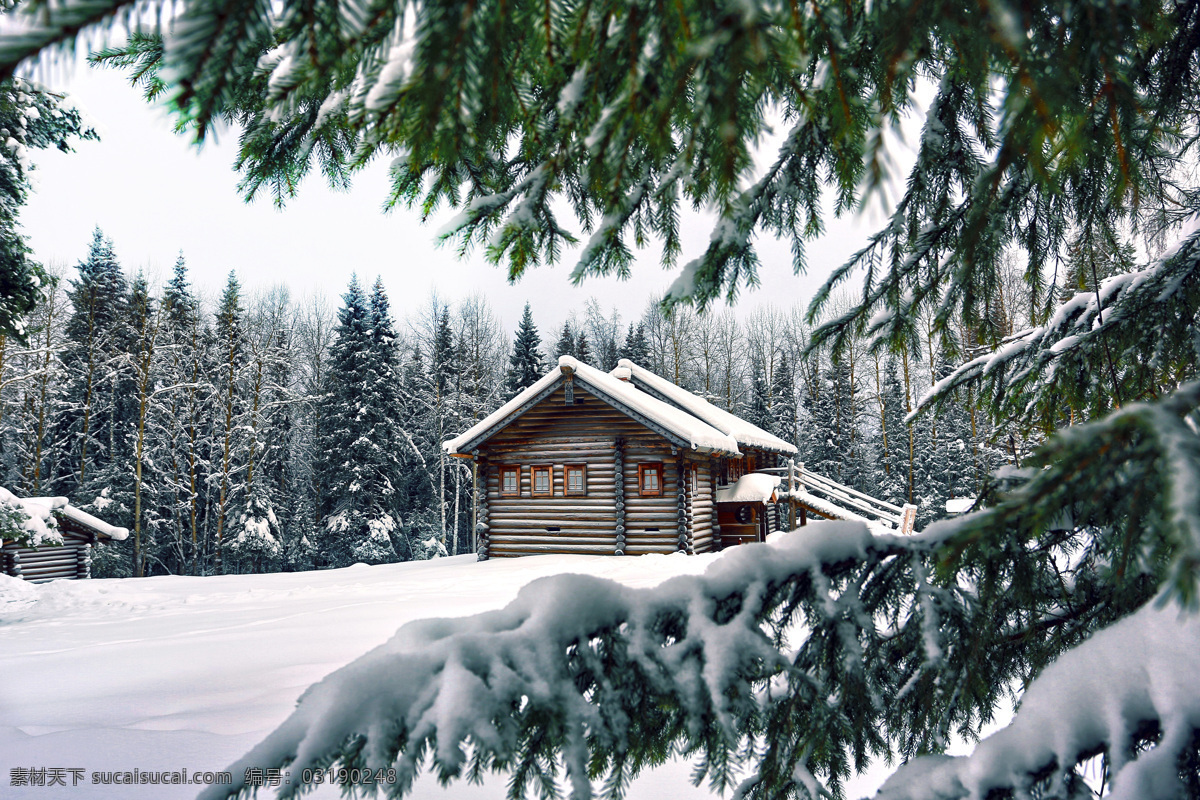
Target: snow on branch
(1143, 317)
(606, 677)
(1140, 676)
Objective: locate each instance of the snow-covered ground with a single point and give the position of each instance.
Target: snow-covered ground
(170, 673)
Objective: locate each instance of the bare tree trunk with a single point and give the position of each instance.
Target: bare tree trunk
(192, 422)
(87, 394)
(145, 363)
(457, 494)
(887, 469)
(908, 410)
(45, 381)
(225, 453)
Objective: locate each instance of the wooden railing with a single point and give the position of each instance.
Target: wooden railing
(843, 502)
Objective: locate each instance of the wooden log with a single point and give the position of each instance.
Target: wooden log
(637, 548)
(543, 526)
(500, 550)
(559, 541)
(561, 505)
(65, 558)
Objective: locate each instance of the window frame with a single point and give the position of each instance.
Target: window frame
(534, 469)
(507, 470)
(650, 466)
(567, 490)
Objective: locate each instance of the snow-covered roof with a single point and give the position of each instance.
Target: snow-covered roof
(95, 523)
(694, 432)
(959, 505)
(40, 510)
(742, 431)
(756, 487)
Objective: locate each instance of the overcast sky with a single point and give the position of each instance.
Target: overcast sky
(154, 194)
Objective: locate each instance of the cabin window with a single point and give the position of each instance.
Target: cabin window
(542, 483)
(576, 479)
(510, 481)
(650, 480)
(735, 469)
(751, 464)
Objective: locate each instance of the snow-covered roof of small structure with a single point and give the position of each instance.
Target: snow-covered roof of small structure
(693, 432)
(741, 430)
(41, 509)
(101, 527)
(755, 487)
(959, 505)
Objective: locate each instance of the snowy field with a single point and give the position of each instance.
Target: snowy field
(169, 673)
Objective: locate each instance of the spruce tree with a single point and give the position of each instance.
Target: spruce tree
(186, 340)
(566, 342)
(358, 498)
(583, 350)
(98, 305)
(31, 118)
(443, 402)
(891, 473)
(385, 414)
(525, 365)
(783, 401)
(230, 360)
(636, 348)
(758, 407)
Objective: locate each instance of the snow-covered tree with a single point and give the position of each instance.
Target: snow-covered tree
(783, 401)
(358, 473)
(636, 348)
(565, 346)
(526, 364)
(231, 360)
(98, 302)
(31, 118)
(604, 334)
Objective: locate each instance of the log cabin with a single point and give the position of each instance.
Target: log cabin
(621, 463)
(58, 539)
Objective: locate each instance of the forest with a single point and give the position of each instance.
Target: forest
(254, 432)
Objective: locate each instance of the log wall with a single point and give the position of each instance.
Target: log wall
(590, 432)
(69, 560)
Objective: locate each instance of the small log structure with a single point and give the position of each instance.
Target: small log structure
(72, 559)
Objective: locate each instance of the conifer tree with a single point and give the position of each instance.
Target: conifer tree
(231, 358)
(386, 413)
(443, 358)
(98, 303)
(525, 365)
(636, 348)
(566, 342)
(359, 505)
(758, 409)
(146, 323)
(783, 401)
(31, 118)
(583, 350)
(891, 473)
(186, 342)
